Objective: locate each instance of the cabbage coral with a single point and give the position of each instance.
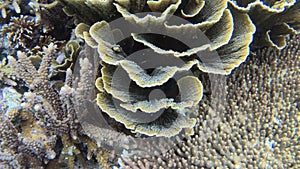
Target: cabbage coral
(230, 41)
(274, 20)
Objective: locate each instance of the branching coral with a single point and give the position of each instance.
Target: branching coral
(24, 34)
(48, 112)
(29, 33)
(20, 32)
(22, 138)
(43, 117)
(38, 81)
(6, 4)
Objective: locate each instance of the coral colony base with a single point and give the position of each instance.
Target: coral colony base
(149, 84)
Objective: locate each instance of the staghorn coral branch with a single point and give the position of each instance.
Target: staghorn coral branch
(9, 134)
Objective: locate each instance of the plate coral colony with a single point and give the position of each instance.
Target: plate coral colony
(149, 84)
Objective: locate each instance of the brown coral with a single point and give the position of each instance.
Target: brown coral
(256, 127)
(230, 42)
(6, 4)
(253, 124)
(89, 11)
(24, 34)
(42, 118)
(20, 32)
(22, 138)
(274, 20)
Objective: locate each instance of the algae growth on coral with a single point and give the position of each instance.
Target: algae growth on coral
(149, 84)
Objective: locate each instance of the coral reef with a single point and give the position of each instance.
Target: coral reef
(36, 122)
(52, 18)
(149, 84)
(258, 124)
(20, 132)
(115, 99)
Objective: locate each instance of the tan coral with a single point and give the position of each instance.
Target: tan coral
(266, 15)
(25, 34)
(231, 41)
(190, 89)
(160, 5)
(71, 52)
(127, 115)
(6, 3)
(256, 125)
(275, 20)
(88, 11)
(271, 4)
(228, 44)
(174, 121)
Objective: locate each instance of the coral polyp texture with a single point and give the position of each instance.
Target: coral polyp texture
(149, 84)
(258, 124)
